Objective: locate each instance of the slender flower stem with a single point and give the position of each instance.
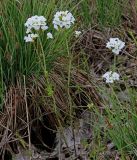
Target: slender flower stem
(114, 64)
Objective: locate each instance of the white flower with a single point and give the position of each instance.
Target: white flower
(115, 76)
(49, 36)
(44, 27)
(55, 26)
(116, 45)
(63, 19)
(77, 33)
(30, 37)
(28, 30)
(36, 23)
(110, 77)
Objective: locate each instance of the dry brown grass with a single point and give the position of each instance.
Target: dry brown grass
(26, 106)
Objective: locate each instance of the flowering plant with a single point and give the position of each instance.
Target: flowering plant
(63, 19)
(116, 45)
(110, 76)
(34, 24)
(77, 33)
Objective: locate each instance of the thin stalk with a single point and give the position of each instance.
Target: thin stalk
(27, 114)
(69, 96)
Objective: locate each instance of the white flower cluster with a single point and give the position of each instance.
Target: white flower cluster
(63, 19)
(116, 45)
(30, 37)
(77, 33)
(34, 24)
(110, 77)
